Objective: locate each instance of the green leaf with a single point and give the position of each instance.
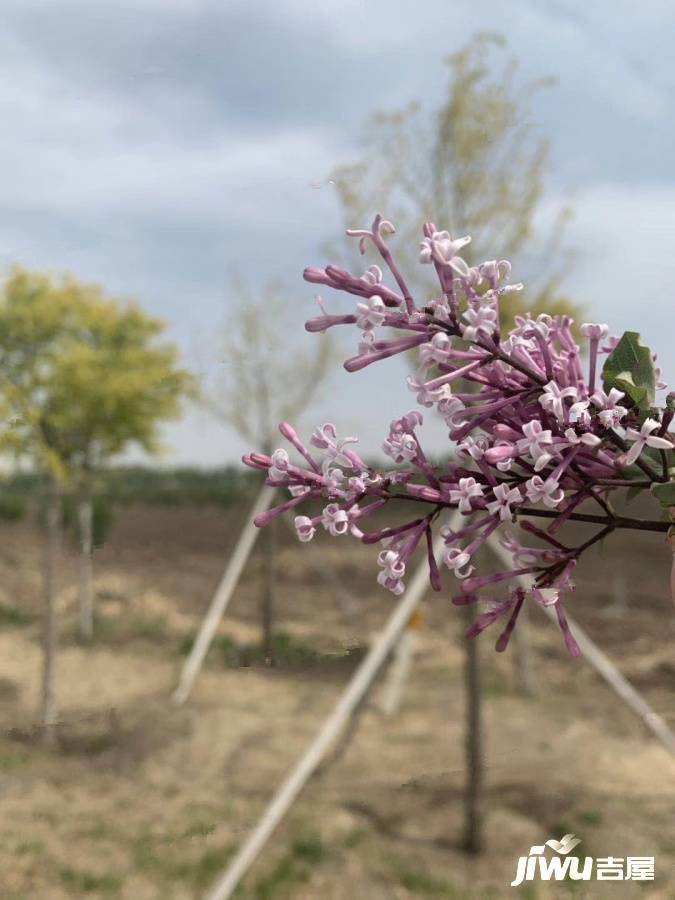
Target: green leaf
(630, 368)
(648, 412)
(664, 493)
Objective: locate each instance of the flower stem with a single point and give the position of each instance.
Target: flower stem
(617, 521)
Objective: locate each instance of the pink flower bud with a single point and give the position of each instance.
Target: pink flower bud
(256, 461)
(497, 454)
(315, 275)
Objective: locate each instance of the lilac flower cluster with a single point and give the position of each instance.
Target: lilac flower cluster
(533, 436)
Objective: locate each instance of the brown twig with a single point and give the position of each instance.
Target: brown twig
(617, 521)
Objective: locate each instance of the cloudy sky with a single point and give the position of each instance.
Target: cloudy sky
(155, 146)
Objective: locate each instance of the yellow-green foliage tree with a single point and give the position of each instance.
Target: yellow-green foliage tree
(472, 165)
(82, 377)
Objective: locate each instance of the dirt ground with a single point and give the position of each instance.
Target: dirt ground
(141, 800)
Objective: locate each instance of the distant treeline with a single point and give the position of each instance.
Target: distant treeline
(183, 486)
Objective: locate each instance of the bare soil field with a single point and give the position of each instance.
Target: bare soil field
(140, 800)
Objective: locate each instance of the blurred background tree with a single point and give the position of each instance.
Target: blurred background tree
(82, 378)
(474, 165)
(267, 378)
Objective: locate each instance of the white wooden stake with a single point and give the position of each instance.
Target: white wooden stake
(603, 665)
(221, 598)
(619, 605)
(404, 653)
(308, 763)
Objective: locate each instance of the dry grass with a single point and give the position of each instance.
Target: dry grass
(140, 800)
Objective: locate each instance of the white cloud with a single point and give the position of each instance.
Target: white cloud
(154, 144)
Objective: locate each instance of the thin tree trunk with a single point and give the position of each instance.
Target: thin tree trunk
(268, 598)
(473, 798)
(85, 517)
(50, 636)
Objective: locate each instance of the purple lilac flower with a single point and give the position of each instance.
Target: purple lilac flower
(530, 435)
(644, 438)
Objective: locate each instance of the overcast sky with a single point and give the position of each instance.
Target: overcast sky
(156, 145)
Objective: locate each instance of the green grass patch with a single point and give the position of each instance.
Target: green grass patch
(14, 616)
(29, 848)
(590, 817)
(199, 830)
(181, 858)
(201, 871)
(293, 869)
(287, 652)
(12, 507)
(309, 849)
(354, 838)
(90, 882)
(114, 630)
(13, 759)
(422, 882)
